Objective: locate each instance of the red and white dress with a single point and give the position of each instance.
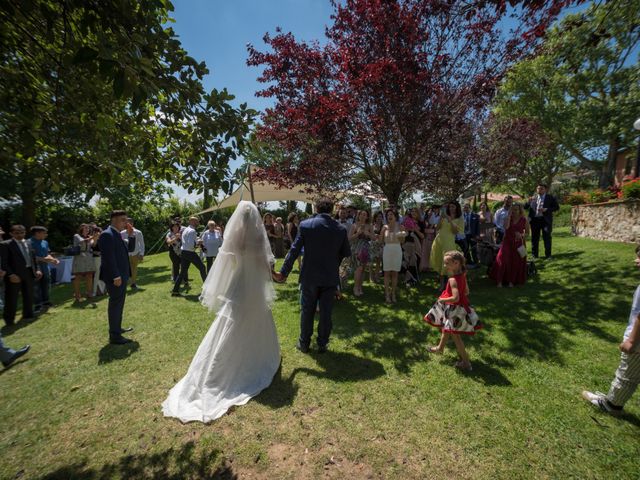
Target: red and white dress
(454, 317)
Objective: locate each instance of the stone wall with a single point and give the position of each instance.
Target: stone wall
(617, 221)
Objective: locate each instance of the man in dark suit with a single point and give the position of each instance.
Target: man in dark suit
(115, 272)
(19, 263)
(325, 244)
(541, 208)
(471, 234)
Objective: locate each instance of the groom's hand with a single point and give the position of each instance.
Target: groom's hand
(278, 277)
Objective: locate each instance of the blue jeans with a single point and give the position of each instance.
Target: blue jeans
(42, 287)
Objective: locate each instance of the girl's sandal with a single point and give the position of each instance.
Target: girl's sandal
(465, 367)
(435, 350)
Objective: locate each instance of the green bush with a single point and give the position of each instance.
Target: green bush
(577, 198)
(631, 189)
(562, 218)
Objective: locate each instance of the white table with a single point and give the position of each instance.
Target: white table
(63, 270)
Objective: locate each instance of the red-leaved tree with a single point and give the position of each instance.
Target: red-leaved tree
(399, 91)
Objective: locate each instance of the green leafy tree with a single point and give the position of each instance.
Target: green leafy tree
(101, 94)
(583, 88)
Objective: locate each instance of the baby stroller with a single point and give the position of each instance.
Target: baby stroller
(487, 253)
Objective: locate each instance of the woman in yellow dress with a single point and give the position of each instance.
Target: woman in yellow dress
(451, 223)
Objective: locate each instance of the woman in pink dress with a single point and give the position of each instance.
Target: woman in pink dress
(510, 266)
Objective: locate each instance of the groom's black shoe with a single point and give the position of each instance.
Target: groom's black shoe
(322, 349)
(119, 340)
(17, 355)
(125, 330)
(302, 348)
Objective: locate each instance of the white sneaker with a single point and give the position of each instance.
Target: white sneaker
(599, 400)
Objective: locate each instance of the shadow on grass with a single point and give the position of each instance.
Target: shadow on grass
(110, 352)
(335, 366)
(172, 464)
(485, 372)
(13, 365)
(10, 329)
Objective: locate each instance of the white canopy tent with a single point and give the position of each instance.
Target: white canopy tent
(264, 191)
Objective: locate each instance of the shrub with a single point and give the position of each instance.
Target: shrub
(631, 189)
(600, 196)
(577, 198)
(562, 218)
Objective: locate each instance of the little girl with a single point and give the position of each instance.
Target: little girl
(452, 313)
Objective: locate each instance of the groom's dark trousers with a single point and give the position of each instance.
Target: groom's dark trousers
(310, 298)
(325, 244)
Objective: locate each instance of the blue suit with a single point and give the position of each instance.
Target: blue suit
(115, 263)
(325, 244)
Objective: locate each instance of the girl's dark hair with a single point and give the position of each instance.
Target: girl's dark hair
(386, 214)
(458, 208)
(174, 224)
(376, 215)
(368, 216)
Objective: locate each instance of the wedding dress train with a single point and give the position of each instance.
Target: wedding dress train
(240, 353)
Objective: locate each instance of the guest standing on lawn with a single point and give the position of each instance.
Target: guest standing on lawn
(211, 242)
(449, 225)
(541, 209)
(135, 245)
(18, 260)
(393, 236)
(83, 264)
(510, 266)
(360, 238)
(43, 259)
(627, 375)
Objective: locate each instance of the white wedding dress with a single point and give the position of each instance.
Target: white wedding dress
(240, 353)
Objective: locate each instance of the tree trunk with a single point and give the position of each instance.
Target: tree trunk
(28, 197)
(607, 173)
(206, 200)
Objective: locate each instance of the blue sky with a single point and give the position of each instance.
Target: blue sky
(218, 31)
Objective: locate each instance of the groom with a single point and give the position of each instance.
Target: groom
(114, 272)
(325, 244)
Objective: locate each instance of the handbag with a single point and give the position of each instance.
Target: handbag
(522, 251)
(72, 251)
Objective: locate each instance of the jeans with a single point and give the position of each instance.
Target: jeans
(42, 287)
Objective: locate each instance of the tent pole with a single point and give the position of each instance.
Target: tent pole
(253, 198)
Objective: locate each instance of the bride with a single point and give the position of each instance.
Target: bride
(240, 353)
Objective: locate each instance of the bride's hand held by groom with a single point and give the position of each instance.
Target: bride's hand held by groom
(278, 277)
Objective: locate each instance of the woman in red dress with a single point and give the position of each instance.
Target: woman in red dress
(510, 266)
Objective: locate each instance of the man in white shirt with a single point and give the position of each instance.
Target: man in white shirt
(188, 255)
(135, 244)
(501, 216)
(211, 242)
(541, 208)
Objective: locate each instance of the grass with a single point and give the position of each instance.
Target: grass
(376, 406)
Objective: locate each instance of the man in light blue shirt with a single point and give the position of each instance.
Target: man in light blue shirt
(43, 258)
(188, 255)
(501, 216)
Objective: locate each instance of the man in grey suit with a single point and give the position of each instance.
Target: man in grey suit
(325, 244)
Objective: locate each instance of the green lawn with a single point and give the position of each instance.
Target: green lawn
(376, 406)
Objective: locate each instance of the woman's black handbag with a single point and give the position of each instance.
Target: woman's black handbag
(72, 251)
